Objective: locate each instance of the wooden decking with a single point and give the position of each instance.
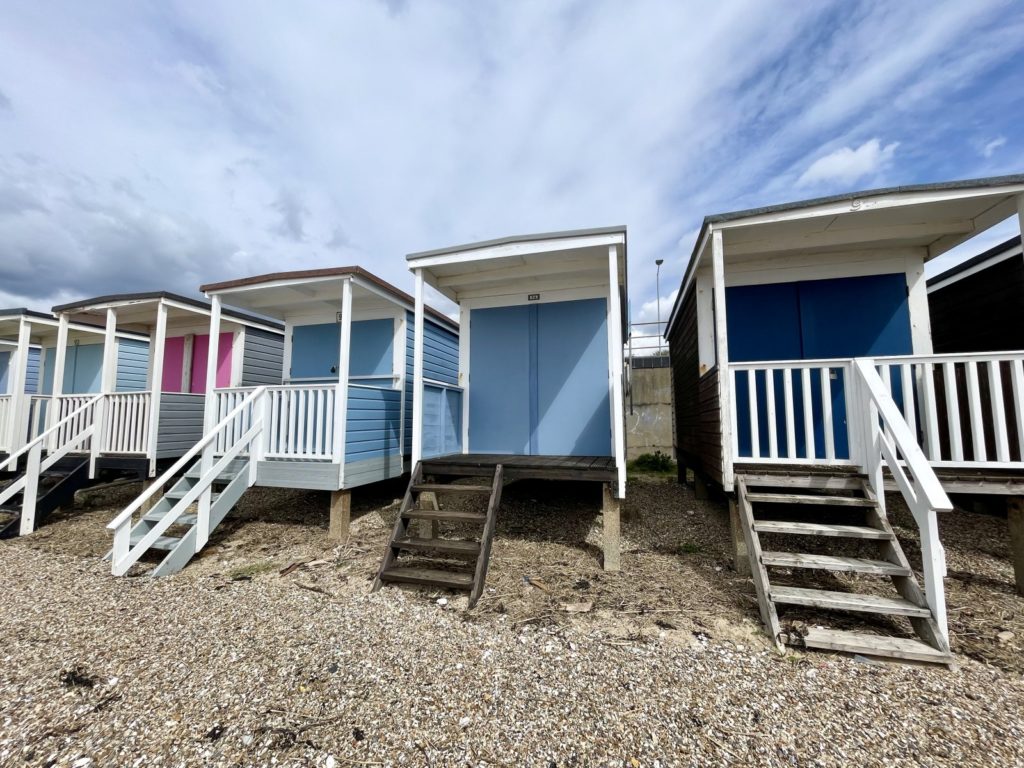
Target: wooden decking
(599, 469)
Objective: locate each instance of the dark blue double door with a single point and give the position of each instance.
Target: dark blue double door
(812, 320)
(539, 379)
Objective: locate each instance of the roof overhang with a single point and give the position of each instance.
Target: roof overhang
(932, 218)
(138, 311)
(289, 294)
(524, 264)
(1006, 250)
(43, 328)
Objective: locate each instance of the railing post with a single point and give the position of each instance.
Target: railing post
(99, 417)
(257, 449)
(30, 492)
(933, 567)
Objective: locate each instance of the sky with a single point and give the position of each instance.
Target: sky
(162, 145)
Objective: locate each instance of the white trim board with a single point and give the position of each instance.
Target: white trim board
(1009, 253)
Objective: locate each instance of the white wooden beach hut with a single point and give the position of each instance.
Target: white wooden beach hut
(337, 416)
(539, 387)
(806, 385)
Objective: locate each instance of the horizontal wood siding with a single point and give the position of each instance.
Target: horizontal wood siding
(372, 470)
(132, 366)
(440, 362)
(262, 358)
(289, 473)
(32, 371)
(983, 312)
(373, 423)
(181, 424)
(697, 407)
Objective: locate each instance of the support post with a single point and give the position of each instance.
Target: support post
(722, 357)
(610, 514)
(341, 516)
(17, 430)
(417, 375)
(341, 397)
(615, 368)
(1015, 518)
(740, 553)
(147, 505)
(429, 529)
(701, 491)
(156, 369)
(209, 422)
(108, 382)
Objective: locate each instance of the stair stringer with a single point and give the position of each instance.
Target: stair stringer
(180, 556)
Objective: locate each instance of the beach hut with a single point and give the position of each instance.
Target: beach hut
(335, 416)
(978, 304)
(806, 385)
(538, 391)
(28, 342)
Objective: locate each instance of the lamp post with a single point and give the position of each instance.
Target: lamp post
(657, 281)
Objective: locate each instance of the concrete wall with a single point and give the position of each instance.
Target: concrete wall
(649, 422)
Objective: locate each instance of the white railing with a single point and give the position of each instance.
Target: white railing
(300, 420)
(967, 410)
(6, 414)
(886, 439)
(254, 404)
(71, 420)
(28, 483)
(37, 406)
(126, 423)
(791, 412)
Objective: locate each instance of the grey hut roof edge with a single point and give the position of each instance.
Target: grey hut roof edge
(721, 218)
(24, 311)
(156, 295)
(271, 277)
(974, 261)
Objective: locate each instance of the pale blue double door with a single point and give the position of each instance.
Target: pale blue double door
(539, 379)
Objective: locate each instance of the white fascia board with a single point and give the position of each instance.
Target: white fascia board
(689, 275)
(518, 249)
(892, 200)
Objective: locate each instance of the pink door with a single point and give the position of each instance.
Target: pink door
(200, 355)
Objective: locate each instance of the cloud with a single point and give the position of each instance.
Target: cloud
(847, 165)
(990, 147)
(208, 144)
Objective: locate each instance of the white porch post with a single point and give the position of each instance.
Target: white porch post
(341, 398)
(417, 375)
(156, 372)
(209, 422)
(57, 388)
(17, 429)
(615, 364)
(722, 355)
(108, 382)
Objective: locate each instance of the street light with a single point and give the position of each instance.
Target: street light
(657, 281)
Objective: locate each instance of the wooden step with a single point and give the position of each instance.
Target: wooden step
(831, 563)
(445, 514)
(156, 517)
(809, 498)
(162, 542)
(821, 529)
(847, 601)
(450, 546)
(845, 482)
(442, 488)
(430, 577)
(179, 495)
(874, 645)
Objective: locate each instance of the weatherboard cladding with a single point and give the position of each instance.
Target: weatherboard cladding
(440, 363)
(132, 366)
(262, 358)
(32, 370)
(181, 423)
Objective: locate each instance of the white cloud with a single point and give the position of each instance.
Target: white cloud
(990, 147)
(164, 146)
(847, 165)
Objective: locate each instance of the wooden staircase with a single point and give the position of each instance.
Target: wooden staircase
(448, 563)
(819, 526)
(57, 487)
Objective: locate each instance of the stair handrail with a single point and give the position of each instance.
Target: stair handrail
(11, 462)
(176, 467)
(887, 437)
(123, 554)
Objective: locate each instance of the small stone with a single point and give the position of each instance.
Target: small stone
(464, 723)
(442, 601)
(1005, 636)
